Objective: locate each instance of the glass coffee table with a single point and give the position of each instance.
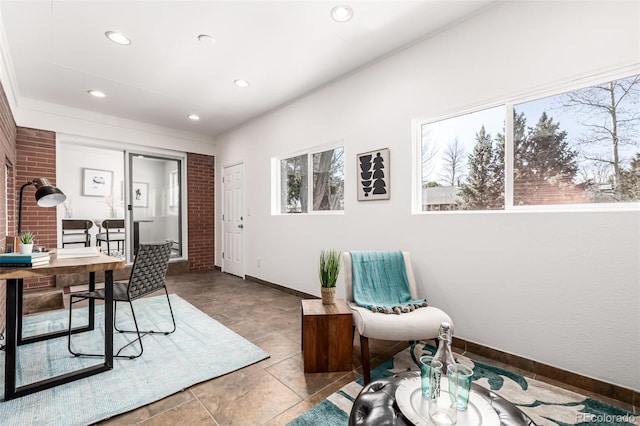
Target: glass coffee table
(416, 408)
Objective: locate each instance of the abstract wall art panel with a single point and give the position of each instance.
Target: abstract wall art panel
(373, 170)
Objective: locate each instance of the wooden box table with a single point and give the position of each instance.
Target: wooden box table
(327, 336)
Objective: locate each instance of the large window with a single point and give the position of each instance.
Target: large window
(580, 147)
(462, 162)
(321, 190)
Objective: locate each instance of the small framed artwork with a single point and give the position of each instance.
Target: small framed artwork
(96, 183)
(373, 175)
(140, 194)
(12, 244)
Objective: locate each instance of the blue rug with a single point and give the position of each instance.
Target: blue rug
(199, 350)
(544, 403)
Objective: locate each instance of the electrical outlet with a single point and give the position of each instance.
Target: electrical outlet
(259, 262)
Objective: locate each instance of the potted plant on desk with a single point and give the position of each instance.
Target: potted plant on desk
(26, 242)
(329, 270)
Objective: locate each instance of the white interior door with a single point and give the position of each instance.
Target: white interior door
(233, 220)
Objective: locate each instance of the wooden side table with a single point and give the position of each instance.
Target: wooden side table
(327, 336)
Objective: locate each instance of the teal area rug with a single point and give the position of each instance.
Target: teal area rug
(545, 404)
(200, 349)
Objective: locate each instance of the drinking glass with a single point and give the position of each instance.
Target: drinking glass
(425, 366)
(459, 380)
(441, 411)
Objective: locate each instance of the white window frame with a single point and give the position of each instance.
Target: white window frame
(276, 179)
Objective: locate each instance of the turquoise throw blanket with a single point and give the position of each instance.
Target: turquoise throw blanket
(380, 282)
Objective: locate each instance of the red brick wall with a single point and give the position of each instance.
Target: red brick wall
(200, 205)
(8, 155)
(36, 157)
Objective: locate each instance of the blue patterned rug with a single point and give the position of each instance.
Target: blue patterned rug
(544, 403)
(199, 350)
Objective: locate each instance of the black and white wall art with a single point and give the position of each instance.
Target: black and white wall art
(373, 175)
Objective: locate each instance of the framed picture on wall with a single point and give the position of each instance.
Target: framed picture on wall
(97, 183)
(140, 194)
(373, 175)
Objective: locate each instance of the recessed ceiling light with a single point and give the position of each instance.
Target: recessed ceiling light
(341, 13)
(206, 38)
(241, 83)
(117, 37)
(193, 117)
(96, 93)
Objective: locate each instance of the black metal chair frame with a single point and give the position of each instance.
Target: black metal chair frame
(110, 224)
(76, 225)
(147, 276)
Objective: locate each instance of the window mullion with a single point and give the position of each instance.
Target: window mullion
(509, 150)
(310, 171)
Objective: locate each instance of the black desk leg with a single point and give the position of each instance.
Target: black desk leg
(53, 334)
(108, 319)
(12, 339)
(92, 302)
(20, 294)
(10, 389)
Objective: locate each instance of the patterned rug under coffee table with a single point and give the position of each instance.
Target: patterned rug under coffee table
(544, 403)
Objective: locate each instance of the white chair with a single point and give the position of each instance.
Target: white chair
(419, 324)
(76, 231)
(113, 233)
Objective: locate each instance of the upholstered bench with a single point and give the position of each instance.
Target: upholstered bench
(376, 405)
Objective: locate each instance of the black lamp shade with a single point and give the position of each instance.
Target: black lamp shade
(49, 196)
(46, 194)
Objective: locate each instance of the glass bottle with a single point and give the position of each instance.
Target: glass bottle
(444, 353)
(441, 411)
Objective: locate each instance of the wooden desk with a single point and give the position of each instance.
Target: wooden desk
(327, 336)
(14, 277)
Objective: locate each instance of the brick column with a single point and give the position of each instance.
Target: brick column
(200, 207)
(36, 157)
(8, 155)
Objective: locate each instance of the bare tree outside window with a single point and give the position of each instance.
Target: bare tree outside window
(610, 118)
(326, 182)
(450, 162)
(293, 184)
(582, 148)
(453, 159)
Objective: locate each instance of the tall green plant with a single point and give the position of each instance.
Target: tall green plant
(329, 267)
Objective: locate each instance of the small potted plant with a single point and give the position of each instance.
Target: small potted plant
(26, 242)
(329, 270)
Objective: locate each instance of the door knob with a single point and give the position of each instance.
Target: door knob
(241, 226)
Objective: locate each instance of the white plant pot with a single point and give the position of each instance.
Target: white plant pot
(25, 248)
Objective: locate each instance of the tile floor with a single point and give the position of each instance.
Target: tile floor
(271, 392)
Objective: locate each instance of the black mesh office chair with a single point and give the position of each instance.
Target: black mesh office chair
(147, 276)
(76, 231)
(113, 233)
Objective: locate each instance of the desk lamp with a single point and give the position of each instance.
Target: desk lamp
(47, 195)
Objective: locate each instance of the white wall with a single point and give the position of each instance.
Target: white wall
(561, 288)
(72, 159)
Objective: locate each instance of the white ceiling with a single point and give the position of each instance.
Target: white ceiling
(57, 51)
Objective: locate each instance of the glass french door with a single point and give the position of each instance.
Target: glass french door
(154, 202)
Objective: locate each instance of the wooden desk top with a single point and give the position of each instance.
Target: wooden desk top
(102, 262)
